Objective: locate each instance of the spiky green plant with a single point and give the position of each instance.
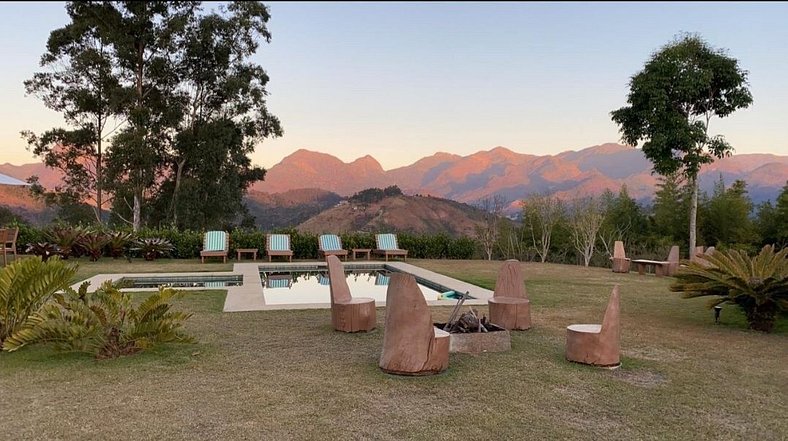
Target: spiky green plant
(67, 238)
(93, 243)
(758, 285)
(103, 323)
(25, 285)
(118, 242)
(152, 248)
(45, 250)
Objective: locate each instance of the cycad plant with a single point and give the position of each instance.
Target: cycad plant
(25, 285)
(104, 323)
(758, 285)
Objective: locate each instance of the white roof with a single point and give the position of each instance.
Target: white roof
(8, 180)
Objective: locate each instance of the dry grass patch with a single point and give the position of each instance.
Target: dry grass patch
(288, 375)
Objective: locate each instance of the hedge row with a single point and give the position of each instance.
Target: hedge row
(188, 243)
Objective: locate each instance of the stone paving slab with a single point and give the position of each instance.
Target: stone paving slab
(250, 297)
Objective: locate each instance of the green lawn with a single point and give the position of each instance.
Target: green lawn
(288, 375)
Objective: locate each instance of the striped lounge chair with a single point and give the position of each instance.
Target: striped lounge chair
(381, 280)
(387, 246)
(330, 245)
(215, 244)
(279, 281)
(278, 245)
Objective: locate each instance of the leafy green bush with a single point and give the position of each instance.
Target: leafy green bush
(28, 234)
(25, 285)
(758, 285)
(118, 242)
(186, 243)
(247, 238)
(103, 323)
(44, 250)
(93, 243)
(151, 248)
(67, 238)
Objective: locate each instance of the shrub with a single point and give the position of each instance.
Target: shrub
(67, 238)
(151, 248)
(103, 323)
(758, 285)
(25, 285)
(93, 243)
(44, 250)
(118, 242)
(186, 243)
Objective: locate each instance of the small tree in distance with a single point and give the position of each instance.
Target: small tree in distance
(671, 102)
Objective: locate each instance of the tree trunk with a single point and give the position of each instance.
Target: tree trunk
(693, 213)
(137, 209)
(174, 204)
(98, 180)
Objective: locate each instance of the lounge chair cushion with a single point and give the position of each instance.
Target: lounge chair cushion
(330, 242)
(387, 242)
(215, 241)
(279, 242)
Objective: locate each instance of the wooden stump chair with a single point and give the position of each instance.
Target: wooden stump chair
(698, 253)
(411, 344)
(620, 260)
(597, 345)
(673, 261)
(348, 314)
(509, 305)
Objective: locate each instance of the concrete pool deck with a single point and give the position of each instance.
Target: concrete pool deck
(250, 297)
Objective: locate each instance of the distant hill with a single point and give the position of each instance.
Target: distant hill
(289, 208)
(516, 175)
(288, 196)
(415, 214)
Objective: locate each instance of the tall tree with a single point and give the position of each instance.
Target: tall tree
(145, 38)
(671, 103)
(226, 115)
(80, 83)
(487, 232)
(624, 220)
(728, 215)
(585, 220)
(671, 208)
(541, 214)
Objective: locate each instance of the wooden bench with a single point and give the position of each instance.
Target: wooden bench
(661, 267)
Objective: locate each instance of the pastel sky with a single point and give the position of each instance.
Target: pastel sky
(401, 81)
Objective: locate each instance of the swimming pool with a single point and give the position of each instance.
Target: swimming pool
(246, 290)
(181, 281)
(312, 286)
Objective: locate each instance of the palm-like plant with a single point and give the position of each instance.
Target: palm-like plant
(25, 285)
(118, 241)
(67, 238)
(758, 285)
(93, 242)
(104, 323)
(152, 248)
(45, 250)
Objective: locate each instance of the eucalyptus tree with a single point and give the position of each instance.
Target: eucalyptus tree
(671, 102)
(79, 81)
(225, 116)
(145, 38)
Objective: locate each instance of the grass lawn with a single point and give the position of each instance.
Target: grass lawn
(288, 375)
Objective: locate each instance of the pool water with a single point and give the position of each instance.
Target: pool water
(287, 287)
(208, 282)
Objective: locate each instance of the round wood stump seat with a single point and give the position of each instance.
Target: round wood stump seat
(510, 313)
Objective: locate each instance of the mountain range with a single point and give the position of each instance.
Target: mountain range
(516, 175)
(498, 171)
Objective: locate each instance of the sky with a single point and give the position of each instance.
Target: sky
(400, 81)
